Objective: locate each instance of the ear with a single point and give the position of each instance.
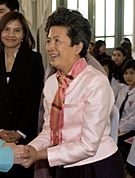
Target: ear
(78, 48)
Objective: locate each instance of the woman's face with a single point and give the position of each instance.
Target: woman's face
(102, 49)
(118, 57)
(12, 34)
(62, 54)
(3, 10)
(129, 76)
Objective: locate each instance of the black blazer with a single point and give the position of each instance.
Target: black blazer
(20, 97)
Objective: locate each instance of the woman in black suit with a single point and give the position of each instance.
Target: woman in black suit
(21, 84)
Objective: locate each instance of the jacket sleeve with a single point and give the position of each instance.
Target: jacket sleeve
(6, 158)
(29, 119)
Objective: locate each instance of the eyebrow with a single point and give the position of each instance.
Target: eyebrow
(54, 37)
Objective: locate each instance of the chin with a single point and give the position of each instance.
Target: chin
(54, 62)
(53, 65)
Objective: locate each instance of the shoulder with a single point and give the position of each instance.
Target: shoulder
(92, 73)
(51, 79)
(92, 61)
(124, 89)
(122, 92)
(31, 60)
(95, 81)
(34, 54)
(29, 52)
(33, 57)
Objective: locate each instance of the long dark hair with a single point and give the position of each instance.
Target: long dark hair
(28, 40)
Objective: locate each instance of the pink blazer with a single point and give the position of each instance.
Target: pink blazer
(86, 133)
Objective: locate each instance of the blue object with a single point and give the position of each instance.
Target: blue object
(6, 157)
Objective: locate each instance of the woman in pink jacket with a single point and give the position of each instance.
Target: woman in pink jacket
(78, 101)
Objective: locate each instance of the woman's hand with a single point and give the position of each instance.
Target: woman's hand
(10, 136)
(18, 152)
(30, 156)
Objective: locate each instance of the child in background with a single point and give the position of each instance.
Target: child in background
(119, 56)
(126, 105)
(110, 68)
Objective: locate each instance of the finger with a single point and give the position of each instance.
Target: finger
(20, 161)
(25, 156)
(27, 148)
(26, 163)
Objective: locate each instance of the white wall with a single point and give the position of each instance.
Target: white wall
(36, 12)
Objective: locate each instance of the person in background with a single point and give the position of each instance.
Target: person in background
(126, 105)
(119, 56)
(21, 84)
(127, 40)
(126, 43)
(99, 50)
(128, 49)
(75, 138)
(6, 153)
(91, 59)
(7, 6)
(110, 67)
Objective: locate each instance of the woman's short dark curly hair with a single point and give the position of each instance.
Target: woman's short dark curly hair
(79, 28)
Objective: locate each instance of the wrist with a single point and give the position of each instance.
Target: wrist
(42, 154)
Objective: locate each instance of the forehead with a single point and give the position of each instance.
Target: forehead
(130, 70)
(15, 23)
(117, 52)
(58, 31)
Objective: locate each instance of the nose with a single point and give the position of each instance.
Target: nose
(127, 76)
(115, 58)
(50, 46)
(10, 33)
